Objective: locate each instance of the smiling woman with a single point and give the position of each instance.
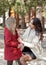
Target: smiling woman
(31, 40)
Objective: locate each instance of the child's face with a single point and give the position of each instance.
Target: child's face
(31, 25)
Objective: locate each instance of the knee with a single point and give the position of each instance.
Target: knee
(22, 60)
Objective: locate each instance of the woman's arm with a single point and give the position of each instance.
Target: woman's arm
(32, 44)
(25, 43)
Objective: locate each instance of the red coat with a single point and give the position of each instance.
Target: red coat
(11, 52)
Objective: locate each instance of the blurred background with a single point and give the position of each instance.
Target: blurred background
(25, 10)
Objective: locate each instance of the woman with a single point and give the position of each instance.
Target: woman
(31, 40)
(11, 45)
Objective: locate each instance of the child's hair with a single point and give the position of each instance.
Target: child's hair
(9, 23)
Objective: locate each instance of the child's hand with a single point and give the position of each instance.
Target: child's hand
(21, 46)
(20, 40)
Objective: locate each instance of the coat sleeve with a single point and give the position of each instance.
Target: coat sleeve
(8, 40)
(32, 44)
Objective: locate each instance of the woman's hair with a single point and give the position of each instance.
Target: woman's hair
(9, 23)
(38, 26)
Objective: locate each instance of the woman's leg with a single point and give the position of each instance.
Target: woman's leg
(9, 62)
(25, 58)
(22, 60)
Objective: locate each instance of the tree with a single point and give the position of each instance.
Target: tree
(21, 6)
(34, 3)
(4, 6)
(20, 9)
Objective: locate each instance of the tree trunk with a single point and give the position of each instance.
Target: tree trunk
(29, 15)
(35, 11)
(17, 19)
(23, 24)
(3, 20)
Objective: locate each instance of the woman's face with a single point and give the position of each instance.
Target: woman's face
(31, 25)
